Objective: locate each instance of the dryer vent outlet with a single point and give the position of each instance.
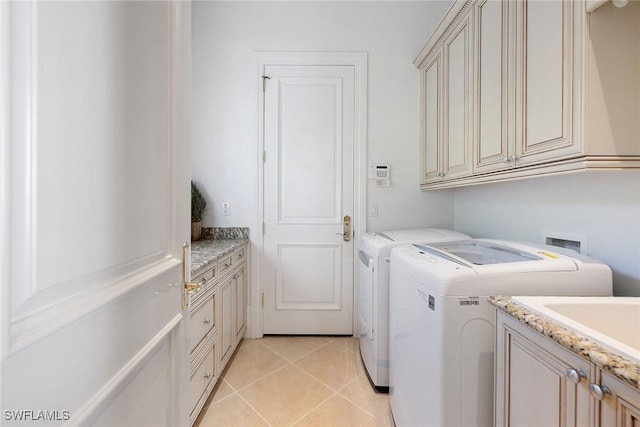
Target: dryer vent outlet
(575, 241)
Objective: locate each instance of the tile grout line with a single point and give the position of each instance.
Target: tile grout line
(294, 363)
(298, 358)
(339, 392)
(287, 363)
(335, 393)
(255, 410)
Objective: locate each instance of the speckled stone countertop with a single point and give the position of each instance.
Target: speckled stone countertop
(608, 360)
(205, 251)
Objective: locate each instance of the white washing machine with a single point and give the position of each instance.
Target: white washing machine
(373, 293)
(442, 335)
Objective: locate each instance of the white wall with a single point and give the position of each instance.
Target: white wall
(227, 37)
(605, 206)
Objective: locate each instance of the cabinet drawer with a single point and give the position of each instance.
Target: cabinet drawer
(225, 264)
(201, 322)
(208, 276)
(207, 280)
(238, 256)
(202, 377)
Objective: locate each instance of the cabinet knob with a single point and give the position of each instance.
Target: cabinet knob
(511, 158)
(598, 392)
(207, 321)
(576, 376)
(207, 376)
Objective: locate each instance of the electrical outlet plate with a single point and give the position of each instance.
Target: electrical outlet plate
(226, 209)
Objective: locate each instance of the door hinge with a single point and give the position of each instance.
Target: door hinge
(264, 227)
(264, 82)
(263, 300)
(264, 156)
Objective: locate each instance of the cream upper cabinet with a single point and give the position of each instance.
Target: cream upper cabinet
(522, 88)
(431, 122)
(494, 92)
(446, 105)
(548, 70)
(457, 50)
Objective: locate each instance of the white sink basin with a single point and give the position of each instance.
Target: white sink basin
(613, 322)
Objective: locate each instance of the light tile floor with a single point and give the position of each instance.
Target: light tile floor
(301, 381)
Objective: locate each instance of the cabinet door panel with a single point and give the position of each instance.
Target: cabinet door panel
(239, 285)
(432, 100)
(622, 408)
(529, 377)
(225, 323)
(544, 71)
(492, 86)
(458, 102)
(532, 388)
(547, 91)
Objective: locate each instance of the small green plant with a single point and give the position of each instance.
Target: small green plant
(198, 203)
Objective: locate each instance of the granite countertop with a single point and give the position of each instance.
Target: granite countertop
(606, 359)
(205, 251)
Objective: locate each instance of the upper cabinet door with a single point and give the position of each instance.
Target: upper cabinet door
(493, 83)
(431, 120)
(548, 82)
(458, 57)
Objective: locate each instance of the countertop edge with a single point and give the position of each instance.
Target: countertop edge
(204, 252)
(607, 360)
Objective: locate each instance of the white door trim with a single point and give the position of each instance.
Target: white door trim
(359, 61)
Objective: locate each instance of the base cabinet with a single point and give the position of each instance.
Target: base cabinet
(216, 323)
(621, 408)
(540, 383)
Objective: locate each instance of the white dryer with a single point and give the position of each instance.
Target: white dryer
(442, 332)
(373, 293)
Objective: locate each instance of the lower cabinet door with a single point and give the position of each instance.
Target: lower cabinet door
(226, 334)
(538, 383)
(201, 383)
(239, 296)
(621, 407)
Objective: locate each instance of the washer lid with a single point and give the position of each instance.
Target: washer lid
(495, 257)
(483, 253)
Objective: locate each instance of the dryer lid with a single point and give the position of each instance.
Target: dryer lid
(422, 234)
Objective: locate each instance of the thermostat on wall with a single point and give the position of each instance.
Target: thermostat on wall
(381, 173)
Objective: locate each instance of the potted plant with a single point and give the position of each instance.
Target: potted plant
(198, 206)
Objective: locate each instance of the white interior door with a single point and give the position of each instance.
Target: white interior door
(308, 190)
(95, 176)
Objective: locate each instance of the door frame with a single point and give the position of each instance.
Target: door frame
(359, 60)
